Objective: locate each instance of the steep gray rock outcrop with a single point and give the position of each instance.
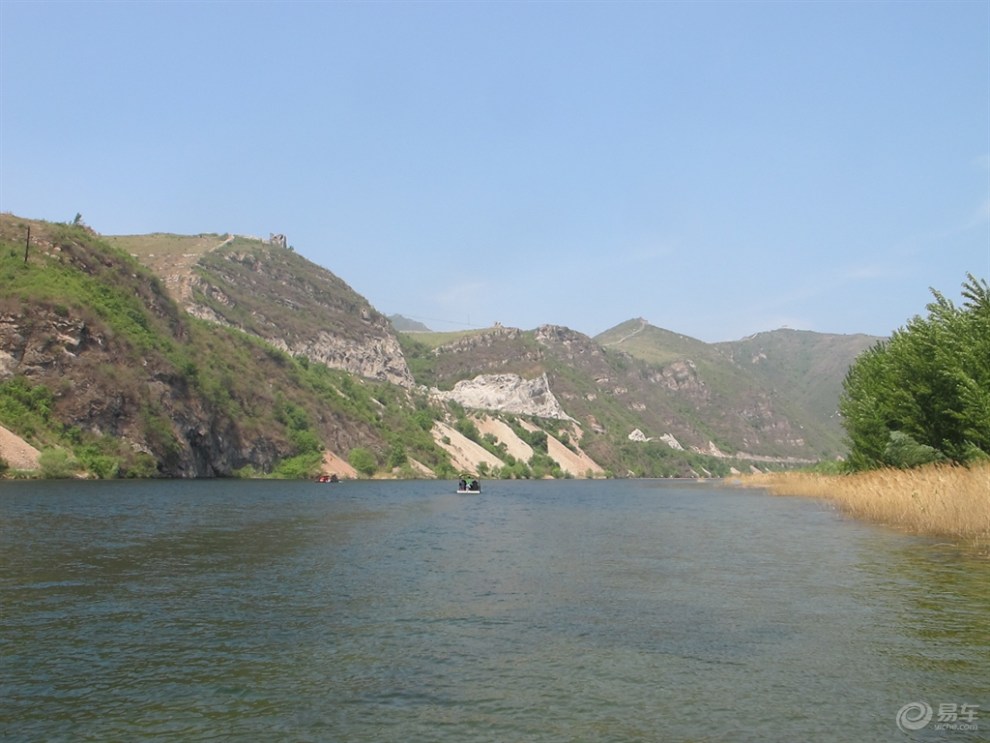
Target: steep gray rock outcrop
(298, 307)
(374, 357)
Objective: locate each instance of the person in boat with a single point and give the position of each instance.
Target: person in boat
(462, 485)
(474, 485)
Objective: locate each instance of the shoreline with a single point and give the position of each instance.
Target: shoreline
(936, 500)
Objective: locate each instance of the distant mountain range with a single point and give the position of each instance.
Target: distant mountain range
(216, 354)
(405, 325)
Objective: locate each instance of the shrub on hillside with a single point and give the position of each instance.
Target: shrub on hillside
(363, 460)
(56, 464)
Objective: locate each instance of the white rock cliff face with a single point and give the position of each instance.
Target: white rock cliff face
(507, 393)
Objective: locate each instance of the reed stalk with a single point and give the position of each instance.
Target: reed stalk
(937, 500)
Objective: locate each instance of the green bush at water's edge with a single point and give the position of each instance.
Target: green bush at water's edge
(924, 395)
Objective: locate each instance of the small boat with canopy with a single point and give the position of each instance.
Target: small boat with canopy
(468, 484)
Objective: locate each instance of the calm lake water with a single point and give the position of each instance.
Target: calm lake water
(537, 611)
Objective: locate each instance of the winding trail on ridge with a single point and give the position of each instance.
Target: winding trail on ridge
(637, 331)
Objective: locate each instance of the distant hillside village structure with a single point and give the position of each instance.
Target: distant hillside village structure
(276, 239)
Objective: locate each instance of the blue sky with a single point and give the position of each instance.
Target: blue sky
(719, 168)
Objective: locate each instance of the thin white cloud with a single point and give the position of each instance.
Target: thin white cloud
(871, 272)
(981, 215)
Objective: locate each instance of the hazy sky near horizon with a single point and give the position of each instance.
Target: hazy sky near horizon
(719, 168)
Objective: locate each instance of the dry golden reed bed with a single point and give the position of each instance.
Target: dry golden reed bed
(938, 500)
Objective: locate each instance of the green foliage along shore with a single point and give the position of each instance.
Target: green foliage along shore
(924, 394)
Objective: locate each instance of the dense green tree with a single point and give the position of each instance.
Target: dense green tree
(924, 394)
(396, 455)
(466, 427)
(363, 460)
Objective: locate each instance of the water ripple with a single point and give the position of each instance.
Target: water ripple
(606, 611)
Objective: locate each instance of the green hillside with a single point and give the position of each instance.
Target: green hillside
(111, 370)
(808, 367)
(651, 344)
(217, 355)
(794, 374)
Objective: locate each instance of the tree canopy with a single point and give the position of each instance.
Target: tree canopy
(923, 395)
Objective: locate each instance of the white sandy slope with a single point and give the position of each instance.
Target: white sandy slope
(465, 454)
(334, 465)
(577, 464)
(505, 435)
(16, 452)
(574, 463)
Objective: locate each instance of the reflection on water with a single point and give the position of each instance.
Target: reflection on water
(945, 594)
(612, 611)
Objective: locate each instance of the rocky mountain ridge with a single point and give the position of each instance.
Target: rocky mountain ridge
(682, 405)
(636, 400)
(97, 359)
(262, 288)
